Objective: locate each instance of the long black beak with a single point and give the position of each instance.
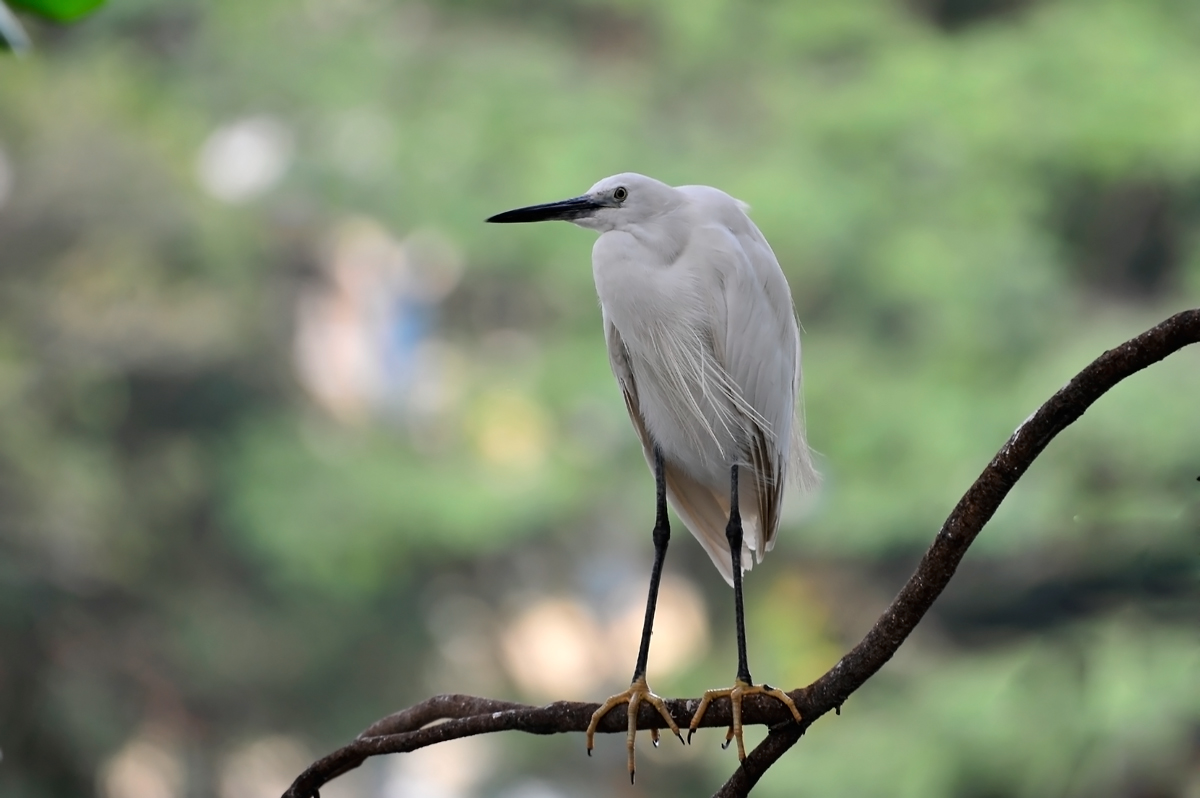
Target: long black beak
(565, 210)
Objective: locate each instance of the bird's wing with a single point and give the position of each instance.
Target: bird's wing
(758, 345)
(702, 509)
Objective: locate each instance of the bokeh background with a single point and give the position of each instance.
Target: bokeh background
(290, 439)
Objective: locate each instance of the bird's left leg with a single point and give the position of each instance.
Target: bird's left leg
(639, 690)
(743, 685)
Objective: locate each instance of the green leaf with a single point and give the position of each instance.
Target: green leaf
(58, 10)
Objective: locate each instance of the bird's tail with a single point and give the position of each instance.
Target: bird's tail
(800, 456)
(802, 468)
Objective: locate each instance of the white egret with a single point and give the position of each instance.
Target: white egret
(703, 340)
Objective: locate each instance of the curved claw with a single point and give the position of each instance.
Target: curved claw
(638, 691)
(705, 700)
(735, 695)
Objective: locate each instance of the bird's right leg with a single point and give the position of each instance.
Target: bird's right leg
(639, 690)
(743, 685)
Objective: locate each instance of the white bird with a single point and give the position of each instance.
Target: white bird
(703, 341)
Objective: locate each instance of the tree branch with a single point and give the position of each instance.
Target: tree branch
(464, 716)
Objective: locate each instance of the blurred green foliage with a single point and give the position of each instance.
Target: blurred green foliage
(970, 199)
(58, 10)
(12, 33)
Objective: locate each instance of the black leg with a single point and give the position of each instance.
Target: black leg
(662, 536)
(743, 686)
(638, 690)
(733, 533)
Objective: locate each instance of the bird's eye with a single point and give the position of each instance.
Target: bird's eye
(620, 194)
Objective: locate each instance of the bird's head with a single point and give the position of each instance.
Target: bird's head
(614, 203)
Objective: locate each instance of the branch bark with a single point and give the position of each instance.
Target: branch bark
(450, 717)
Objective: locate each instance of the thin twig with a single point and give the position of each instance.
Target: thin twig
(455, 716)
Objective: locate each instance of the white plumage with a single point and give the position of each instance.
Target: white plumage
(702, 338)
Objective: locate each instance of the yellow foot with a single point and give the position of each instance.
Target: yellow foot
(638, 692)
(735, 695)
